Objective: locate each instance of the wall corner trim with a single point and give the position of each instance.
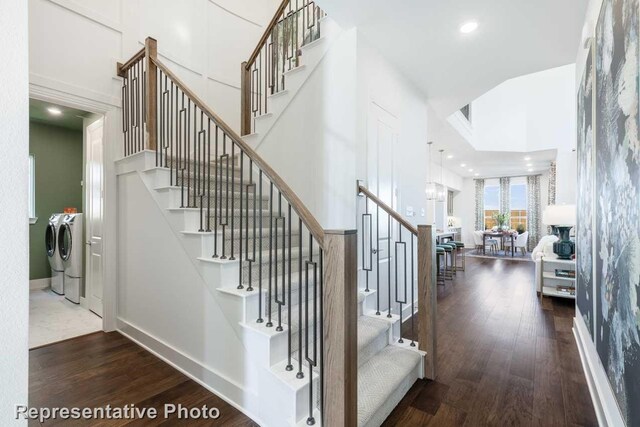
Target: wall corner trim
(604, 402)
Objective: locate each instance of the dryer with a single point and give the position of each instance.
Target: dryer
(53, 253)
(71, 247)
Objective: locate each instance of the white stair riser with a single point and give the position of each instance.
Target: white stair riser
(218, 273)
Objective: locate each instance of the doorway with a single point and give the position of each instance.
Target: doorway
(65, 217)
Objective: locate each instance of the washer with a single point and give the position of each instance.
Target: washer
(70, 239)
(53, 254)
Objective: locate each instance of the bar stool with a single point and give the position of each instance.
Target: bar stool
(460, 249)
(440, 278)
(448, 250)
(453, 254)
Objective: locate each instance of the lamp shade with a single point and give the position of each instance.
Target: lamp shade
(431, 190)
(559, 215)
(441, 193)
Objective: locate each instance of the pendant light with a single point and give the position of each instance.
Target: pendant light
(432, 187)
(441, 194)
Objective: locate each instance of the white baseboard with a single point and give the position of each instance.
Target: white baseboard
(37, 284)
(604, 401)
(222, 387)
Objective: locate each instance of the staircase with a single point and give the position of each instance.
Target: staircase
(312, 339)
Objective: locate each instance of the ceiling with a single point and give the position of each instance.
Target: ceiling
(495, 164)
(422, 38)
(70, 117)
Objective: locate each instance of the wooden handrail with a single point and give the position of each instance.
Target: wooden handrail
(305, 215)
(395, 215)
(122, 68)
(266, 33)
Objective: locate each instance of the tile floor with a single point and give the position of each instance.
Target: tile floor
(53, 318)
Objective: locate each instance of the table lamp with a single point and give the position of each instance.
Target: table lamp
(563, 217)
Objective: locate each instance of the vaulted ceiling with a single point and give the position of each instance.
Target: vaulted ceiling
(422, 37)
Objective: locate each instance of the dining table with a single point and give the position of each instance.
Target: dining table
(502, 235)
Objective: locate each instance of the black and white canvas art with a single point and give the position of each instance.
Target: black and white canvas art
(617, 233)
(584, 232)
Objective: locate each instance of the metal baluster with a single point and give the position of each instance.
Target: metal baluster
(321, 331)
(310, 361)
(389, 268)
(398, 244)
(253, 258)
(216, 214)
(269, 322)
(289, 365)
(260, 320)
(284, 299)
(241, 212)
(413, 299)
(188, 149)
(208, 157)
(300, 374)
(233, 199)
(364, 265)
(377, 260)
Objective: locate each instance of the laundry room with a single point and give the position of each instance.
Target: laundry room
(57, 244)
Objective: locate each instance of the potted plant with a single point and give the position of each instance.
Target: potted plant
(520, 228)
(502, 219)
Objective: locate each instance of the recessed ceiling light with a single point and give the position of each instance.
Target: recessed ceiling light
(54, 111)
(529, 165)
(463, 165)
(450, 156)
(477, 174)
(469, 27)
(470, 170)
(530, 170)
(527, 158)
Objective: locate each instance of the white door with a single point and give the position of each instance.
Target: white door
(94, 199)
(382, 137)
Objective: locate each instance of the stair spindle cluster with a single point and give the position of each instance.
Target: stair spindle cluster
(296, 23)
(255, 218)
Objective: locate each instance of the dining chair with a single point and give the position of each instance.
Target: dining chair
(491, 243)
(520, 243)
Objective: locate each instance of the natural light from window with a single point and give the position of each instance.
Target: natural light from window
(491, 202)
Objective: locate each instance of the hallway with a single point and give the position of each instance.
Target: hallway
(504, 357)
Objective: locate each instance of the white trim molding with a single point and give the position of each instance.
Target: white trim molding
(228, 390)
(604, 401)
(37, 284)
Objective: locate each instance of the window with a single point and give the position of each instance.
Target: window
(518, 203)
(491, 202)
(32, 190)
(466, 112)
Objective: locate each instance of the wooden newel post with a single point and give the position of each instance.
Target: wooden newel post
(245, 100)
(340, 304)
(427, 302)
(151, 88)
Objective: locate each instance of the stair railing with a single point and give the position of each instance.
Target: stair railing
(257, 220)
(410, 275)
(295, 23)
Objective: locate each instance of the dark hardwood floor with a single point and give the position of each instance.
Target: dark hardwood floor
(504, 357)
(100, 369)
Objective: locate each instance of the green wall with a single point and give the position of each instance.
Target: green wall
(58, 184)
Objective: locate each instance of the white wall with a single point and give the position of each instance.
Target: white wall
(531, 113)
(75, 45)
(381, 83)
(528, 113)
(14, 274)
